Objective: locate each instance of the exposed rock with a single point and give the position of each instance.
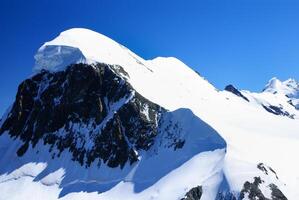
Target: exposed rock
(276, 194)
(262, 167)
(89, 110)
(232, 89)
(193, 194)
(266, 169)
(252, 191)
(277, 111)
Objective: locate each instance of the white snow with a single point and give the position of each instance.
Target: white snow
(252, 134)
(289, 87)
(199, 163)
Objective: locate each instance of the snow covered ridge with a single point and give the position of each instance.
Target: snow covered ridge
(289, 87)
(79, 45)
(278, 97)
(96, 121)
(88, 119)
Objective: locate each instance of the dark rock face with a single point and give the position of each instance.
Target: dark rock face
(193, 194)
(277, 111)
(89, 110)
(276, 193)
(232, 89)
(292, 104)
(253, 190)
(254, 193)
(267, 170)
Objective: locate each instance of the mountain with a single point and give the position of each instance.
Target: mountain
(96, 121)
(289, 88)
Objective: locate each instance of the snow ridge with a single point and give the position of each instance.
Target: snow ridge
(79, 44)
(289, 87)
(250, 133)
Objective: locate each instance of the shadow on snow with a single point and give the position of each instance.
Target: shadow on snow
(179, 125)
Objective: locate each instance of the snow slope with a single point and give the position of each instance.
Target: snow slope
(288, 88)
(200, 163)
(252, 135)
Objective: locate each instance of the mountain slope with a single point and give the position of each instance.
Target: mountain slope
(172, 135)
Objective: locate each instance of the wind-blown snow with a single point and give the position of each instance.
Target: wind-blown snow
(252, 134)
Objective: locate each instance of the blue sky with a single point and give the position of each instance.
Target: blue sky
(243, 42)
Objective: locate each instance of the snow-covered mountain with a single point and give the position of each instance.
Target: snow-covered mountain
(96, 121)
(289, 88)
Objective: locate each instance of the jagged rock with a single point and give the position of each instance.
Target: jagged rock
(276, 194)
(266, 169)
(193, 194)
(252, 191)
(232, 89)
(262, 167)
(89, 110)
(277, 111)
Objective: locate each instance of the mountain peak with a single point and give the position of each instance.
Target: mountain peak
(127, 128)
(273, 83)
(289, 87)
(79, 45)
(292, 83)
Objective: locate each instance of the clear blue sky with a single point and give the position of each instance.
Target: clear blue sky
(243, 42)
